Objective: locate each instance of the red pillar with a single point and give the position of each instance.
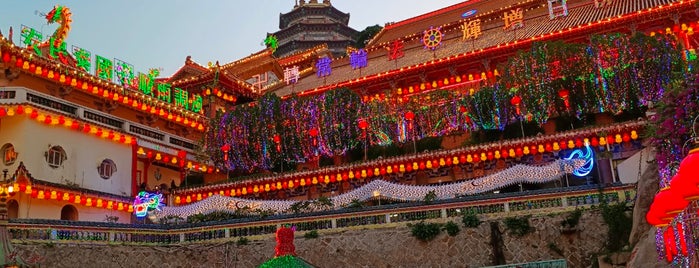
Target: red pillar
(134, 169)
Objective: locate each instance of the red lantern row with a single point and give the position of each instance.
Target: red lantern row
(85, 200)
(97, 88)
(52, 119)
(179, 159)
(219, 93)
(419, 164)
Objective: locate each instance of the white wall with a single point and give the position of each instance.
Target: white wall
(85, 152)
(628, 170)
(34, 208)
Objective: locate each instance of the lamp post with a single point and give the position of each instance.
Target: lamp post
(363, 126)
(409, 115)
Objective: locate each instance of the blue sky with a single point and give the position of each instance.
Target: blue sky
(160, 33)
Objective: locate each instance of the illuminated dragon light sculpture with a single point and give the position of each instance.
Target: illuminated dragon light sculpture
(578, 163)
(146, 202)
(62, 16)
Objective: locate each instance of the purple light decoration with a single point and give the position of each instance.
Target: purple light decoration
(323, 68)
(358, 59)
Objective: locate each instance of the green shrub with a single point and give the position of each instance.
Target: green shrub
(572, 219)
(451, 228)
(518, 226)
(470, 220)
(425, 231)
(619, 225)
(311, 234)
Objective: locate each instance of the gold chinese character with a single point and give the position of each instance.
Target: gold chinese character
(471, 29)
(515, 19)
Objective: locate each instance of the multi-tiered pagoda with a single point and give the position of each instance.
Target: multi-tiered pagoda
(311, 24)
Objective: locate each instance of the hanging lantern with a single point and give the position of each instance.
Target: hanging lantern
(225, 148)
(686, 183)
(362, 124)
(564, 94)
(409, 115)
(516, 100)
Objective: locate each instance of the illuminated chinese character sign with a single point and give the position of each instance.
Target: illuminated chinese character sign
(323, 68)
(358, 59)
(291, 75)
(103, 67)
(181, 98)
(31, 38)
(164, 92)
(471, 29)
(514, 19)
(147, 81)
(395, 50)
(123, 73)
(83, 59)
(145, 202)
(260, 81)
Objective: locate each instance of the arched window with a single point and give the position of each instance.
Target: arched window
(107, 168)
(8, 154)
(55, 156)
(69, 213)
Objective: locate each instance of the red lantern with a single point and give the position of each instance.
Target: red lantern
(594, 142)
(276, 138)
(225, 148)
(516, 100)
(313, 132)
(669, 202)
(685, 183)
(362, 124)
(563, 93)
(626, 137)
(409, 115)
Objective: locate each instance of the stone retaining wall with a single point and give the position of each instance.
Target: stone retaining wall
(388, 246)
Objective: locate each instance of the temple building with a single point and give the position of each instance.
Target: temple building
(312, 24)
(429, 75)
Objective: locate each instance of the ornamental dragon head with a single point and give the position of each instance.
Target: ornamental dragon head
(55, 15)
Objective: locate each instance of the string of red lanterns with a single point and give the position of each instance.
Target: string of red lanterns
(88, 200)
(74, 124)
(422, 163)
(94, 86)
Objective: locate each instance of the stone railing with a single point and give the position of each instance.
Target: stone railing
(487, 206)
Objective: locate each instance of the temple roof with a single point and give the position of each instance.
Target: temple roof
(536, 25)
(440, 17)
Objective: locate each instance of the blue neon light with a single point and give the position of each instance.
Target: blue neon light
(468, 13)
(588, 156)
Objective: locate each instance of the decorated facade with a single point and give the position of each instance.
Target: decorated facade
(474, 68)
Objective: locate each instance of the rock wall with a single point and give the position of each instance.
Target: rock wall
(389, 246)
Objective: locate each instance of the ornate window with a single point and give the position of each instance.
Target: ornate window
(8, 154)
(107, 168)
(55, 156)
